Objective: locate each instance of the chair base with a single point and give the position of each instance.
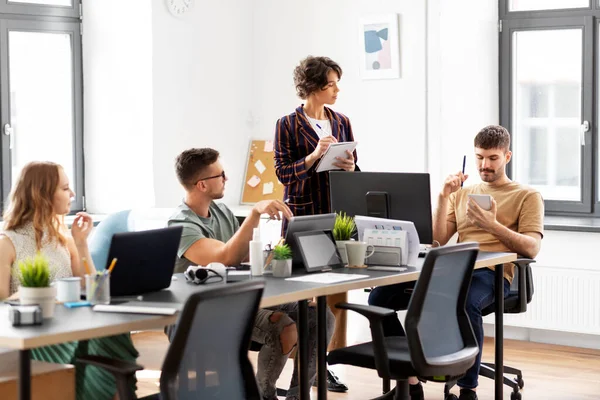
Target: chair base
(400, 392)
(487, 370)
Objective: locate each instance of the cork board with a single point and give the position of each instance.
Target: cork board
(260, 182)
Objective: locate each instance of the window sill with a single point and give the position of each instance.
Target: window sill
(573, 224)
(95, 217)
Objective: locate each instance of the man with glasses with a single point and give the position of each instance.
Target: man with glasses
(211, 233)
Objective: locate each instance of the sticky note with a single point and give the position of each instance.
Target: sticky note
(268, 146)
(254, 181)
(268, 188)
(260, 166)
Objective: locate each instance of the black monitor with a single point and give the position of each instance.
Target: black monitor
(393, 195)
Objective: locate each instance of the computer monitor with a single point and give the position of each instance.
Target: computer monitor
(393, 195)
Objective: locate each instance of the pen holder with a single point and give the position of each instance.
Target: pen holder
(97, 288)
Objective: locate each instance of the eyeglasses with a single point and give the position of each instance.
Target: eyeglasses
(221, 175)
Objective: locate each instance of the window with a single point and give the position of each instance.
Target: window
(41, 89)
(547, 99)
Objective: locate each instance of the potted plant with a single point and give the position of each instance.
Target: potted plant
(34, 277)
(343, 229)
(282, 261)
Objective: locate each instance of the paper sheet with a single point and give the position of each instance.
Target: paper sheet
(334, 150)
(327, 277)
(260, 166)
(268, 188)
(254, 181)
(268, 146)
(412, 236)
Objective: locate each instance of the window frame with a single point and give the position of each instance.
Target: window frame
(42, 19)
(588, 19)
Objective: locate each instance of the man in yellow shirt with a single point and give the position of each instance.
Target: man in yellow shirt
(514, 223)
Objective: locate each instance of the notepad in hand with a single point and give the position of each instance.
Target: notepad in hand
(334, 150)
(135, 307)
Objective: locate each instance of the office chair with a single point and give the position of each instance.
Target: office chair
(439, 344)
(211, 339)
(521, 293)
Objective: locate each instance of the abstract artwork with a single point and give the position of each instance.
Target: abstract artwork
(379, 50)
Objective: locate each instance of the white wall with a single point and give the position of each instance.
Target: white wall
(463, 82)
(387, 116)
(202, 80)
(118, 113)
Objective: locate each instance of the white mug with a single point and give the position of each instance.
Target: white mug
(357, 253)
(68, 289)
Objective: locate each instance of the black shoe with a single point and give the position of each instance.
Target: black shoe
(416, 392)
(467, 394)
(333, 383)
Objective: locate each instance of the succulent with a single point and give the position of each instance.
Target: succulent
(282, 252)
(344, 227)
(34, 271)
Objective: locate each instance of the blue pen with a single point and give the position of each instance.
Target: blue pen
(463, 170)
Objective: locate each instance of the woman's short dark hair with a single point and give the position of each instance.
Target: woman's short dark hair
(190, 164)
(311, 74)
(493, 137)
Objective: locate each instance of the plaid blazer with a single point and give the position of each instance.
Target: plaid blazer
(305, 191)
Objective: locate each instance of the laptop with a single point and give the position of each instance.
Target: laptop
(145, 260)
(305, 223)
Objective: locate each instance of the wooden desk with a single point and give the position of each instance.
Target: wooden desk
(83, 323)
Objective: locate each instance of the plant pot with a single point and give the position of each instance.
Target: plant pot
(44, 296)
(341, 246)
(282, 268)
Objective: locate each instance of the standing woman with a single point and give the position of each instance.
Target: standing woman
(34, 222)
(301, 138)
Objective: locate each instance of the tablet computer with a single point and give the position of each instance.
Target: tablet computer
(305, 223)
(318, 250)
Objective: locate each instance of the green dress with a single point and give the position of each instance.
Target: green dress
(92, 383)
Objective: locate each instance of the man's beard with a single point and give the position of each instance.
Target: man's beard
(491, 177)
(217, 195)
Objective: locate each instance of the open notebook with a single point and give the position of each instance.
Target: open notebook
(138, 307)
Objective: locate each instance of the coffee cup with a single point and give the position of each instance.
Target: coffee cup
(357, 253)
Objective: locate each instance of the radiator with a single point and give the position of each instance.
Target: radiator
(565, 300)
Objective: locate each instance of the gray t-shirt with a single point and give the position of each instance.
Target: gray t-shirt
(220, 225)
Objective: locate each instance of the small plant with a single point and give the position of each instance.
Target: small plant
(344, 227)
(282, 252)
(34, 272)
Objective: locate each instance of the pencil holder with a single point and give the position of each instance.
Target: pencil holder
(97, 288)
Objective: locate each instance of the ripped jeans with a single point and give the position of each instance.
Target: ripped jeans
(271, 358)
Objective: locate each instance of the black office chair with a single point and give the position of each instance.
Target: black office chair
(439, 343)
(521, 293)
(208, 354)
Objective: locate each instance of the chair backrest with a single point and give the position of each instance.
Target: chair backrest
(103, 233)
(208, 355)
(440, 338)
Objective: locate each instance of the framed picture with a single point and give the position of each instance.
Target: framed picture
(379, 47)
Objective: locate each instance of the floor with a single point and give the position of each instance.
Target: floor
(550, 372)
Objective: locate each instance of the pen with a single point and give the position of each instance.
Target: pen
(463, 170)
(112, 265)
(270, 256)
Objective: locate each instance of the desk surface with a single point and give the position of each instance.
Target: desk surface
(83, 323)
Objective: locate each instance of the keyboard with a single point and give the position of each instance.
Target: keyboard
(387, 268)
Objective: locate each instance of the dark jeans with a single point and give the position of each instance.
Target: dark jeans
(481, 295)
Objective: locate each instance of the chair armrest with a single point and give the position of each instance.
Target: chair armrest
(375, 315)
(372, 313)
(522, 265)
(111, 365)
